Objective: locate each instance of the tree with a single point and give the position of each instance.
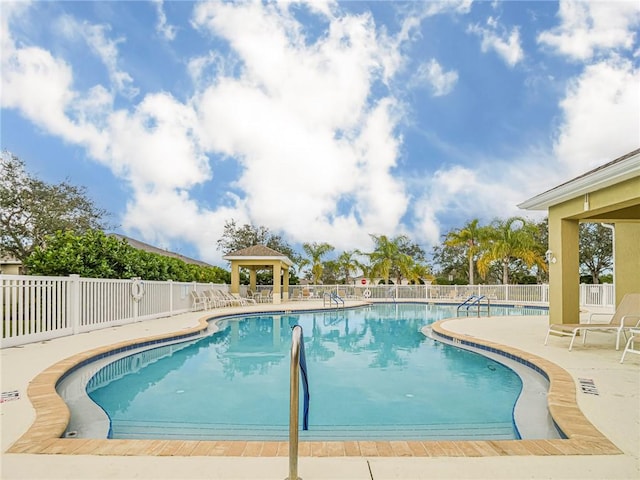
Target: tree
(540, 231)
(509, 240)
(96, 255)
(451, 261)
(236, 238)
(31, 209)
(315, 251)
(388, 258)
(91, 255)
(330, 272)
(418, 272)
(347, 265)
(468, 237)
(596, 250)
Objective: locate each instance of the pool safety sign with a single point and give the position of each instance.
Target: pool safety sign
(587, 386)
(11, 395)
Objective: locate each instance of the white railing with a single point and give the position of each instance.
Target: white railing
(590, 295)
(598, 295)
(530, 294)
(41, 308)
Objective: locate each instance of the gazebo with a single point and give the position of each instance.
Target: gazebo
(260, 257)
(609, 194)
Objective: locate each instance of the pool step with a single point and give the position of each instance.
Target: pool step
(192, 431)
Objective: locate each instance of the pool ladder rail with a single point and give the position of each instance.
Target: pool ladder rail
(482, 304)
(332, 297)
(298, 367)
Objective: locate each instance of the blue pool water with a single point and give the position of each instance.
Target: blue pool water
(372, 374)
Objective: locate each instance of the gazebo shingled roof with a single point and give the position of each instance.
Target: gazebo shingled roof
(256, 251)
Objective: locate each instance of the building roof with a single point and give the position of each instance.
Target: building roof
(7, 260)
(137, 244)
(258, 252)
(622, 168)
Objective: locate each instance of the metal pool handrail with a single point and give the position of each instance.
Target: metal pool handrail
(298, 362)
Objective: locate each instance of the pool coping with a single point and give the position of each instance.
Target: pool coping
(52, 418)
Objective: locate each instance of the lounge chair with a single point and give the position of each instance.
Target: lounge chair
(630, 347)
(243, 300)
(214, 300)
(265, 296)
(626, 316)
(236, 299)
(221, 299)
(199, 301)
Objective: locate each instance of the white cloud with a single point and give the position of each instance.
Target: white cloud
(41, 87)
(495, 37)
(96, 37)
(587, 28)
(432, 74)
(492, 189)
(316, 151)
(601, 115)
(300, 122)
(167, 31)
(447, 6)
(416, 12)
(162, 215)
(157, 145)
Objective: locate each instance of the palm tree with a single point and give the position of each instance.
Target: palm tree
(315, 252)
(347, 264)
(469, 237)
(387, 257)
(509, 240)
(418, 272)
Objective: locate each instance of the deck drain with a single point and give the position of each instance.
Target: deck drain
(587, 386)
(9, 396)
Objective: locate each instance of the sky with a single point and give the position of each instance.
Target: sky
(322, 121)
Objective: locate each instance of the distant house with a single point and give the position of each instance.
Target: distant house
(10, 266)
(137, 244)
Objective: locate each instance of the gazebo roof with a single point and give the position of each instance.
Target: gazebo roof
(258, 252)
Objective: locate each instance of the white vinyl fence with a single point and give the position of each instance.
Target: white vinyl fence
(41, 308)
(529, 294)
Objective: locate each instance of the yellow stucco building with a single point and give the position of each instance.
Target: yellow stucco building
(609, 194)
(260, 257)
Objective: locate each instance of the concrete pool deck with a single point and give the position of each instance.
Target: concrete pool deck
(614, 413)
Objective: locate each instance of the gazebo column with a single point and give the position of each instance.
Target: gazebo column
(277, 288)
(285, 287)
(252, 279)
(235, 277)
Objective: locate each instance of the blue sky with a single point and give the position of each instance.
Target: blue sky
(323, 121)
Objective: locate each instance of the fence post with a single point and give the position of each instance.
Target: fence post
(74, 307)
(170, 297)
(134, 280)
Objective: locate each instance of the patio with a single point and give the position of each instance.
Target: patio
(613, 412)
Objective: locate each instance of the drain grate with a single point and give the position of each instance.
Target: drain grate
(588, 386)
(9, 396)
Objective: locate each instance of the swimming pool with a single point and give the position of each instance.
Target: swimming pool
(372, 375)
